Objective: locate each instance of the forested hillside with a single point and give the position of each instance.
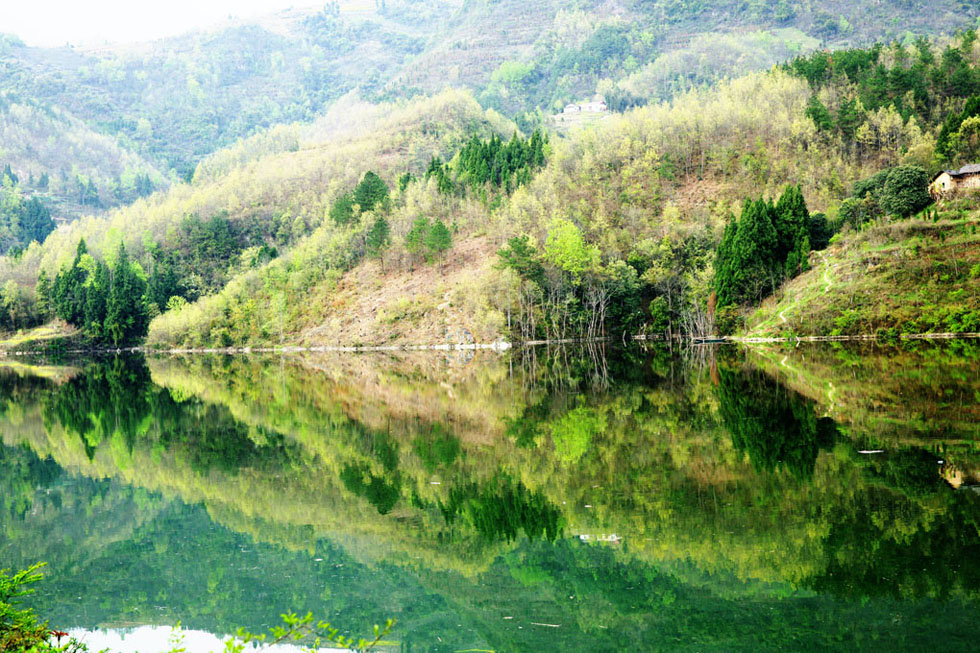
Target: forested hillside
(620, 226)
(434, 219)
(177, 100)
(74, 169)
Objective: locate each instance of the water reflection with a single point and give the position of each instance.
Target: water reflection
(774, 426)
(476, 500)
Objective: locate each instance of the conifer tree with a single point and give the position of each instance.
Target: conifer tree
(342, 209)
(791, 219)
(438, 240)
(747, 268)
(96, 294)
(378, 239)
(69, 290)
(126, 317)
(43, 292)
(371, 192)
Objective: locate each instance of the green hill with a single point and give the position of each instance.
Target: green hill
(424, 221)
(74, 169)
(889, 279)
(176, 100)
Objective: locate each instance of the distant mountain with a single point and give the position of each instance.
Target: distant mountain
(177, 100)
(67, 164)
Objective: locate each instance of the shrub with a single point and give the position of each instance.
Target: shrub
(729, 320)
(905, 191)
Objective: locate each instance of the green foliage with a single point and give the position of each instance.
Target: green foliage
(900, 191)
(378, 239)
(855, 212)
(313, 634)
(950, 142)
(371, 193)
(108, 305)
(22, 220)
(660, 315)
(566, 249)
(904, 192)
(441, 173)
(342, 209)
(817, 112)
(521, 256)
(126, 319)
(492, 164)
(20, 629)
(766, 244)
(438, 239)
(820, 231)
(500, 165)
(428, 240)
(885, 76)
(196, 258)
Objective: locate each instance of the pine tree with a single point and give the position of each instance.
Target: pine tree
(791, 221)
(69, 289)
(438, 240)
(746, 266)
(415, 238)
(96, 292)
(342, 209)
(371, 192)
(378, 239)
(724, 283)
(817, 112)
(126, 317)
(43, 291)
(35, 221)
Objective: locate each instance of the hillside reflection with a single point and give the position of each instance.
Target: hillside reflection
(713, 499)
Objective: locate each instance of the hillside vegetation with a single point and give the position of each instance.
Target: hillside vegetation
(179, 99)
(889, 279)
(74, 169)
(433, 220)
(621, 214)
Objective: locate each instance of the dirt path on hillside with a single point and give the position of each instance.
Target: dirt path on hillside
(826, 271)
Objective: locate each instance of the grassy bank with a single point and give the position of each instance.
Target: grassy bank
(889, 279)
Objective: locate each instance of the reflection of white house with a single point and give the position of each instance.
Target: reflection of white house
(611, 538)
(950, 181)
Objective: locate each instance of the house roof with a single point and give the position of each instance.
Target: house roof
(970, 169)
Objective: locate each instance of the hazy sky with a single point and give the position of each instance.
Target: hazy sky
(56, 22)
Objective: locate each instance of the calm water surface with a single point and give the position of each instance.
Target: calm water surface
(810, 498)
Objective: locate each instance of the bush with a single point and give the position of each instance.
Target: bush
(729, 321)
(905, 191)
(820, 231)
(855, 212)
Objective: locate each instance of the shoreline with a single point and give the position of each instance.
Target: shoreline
(499, 346)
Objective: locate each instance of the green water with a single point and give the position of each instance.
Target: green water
(714, 499)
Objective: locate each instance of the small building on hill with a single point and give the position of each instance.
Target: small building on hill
(597, 105)
(950, 181)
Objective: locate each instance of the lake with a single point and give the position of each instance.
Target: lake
(717, 498)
